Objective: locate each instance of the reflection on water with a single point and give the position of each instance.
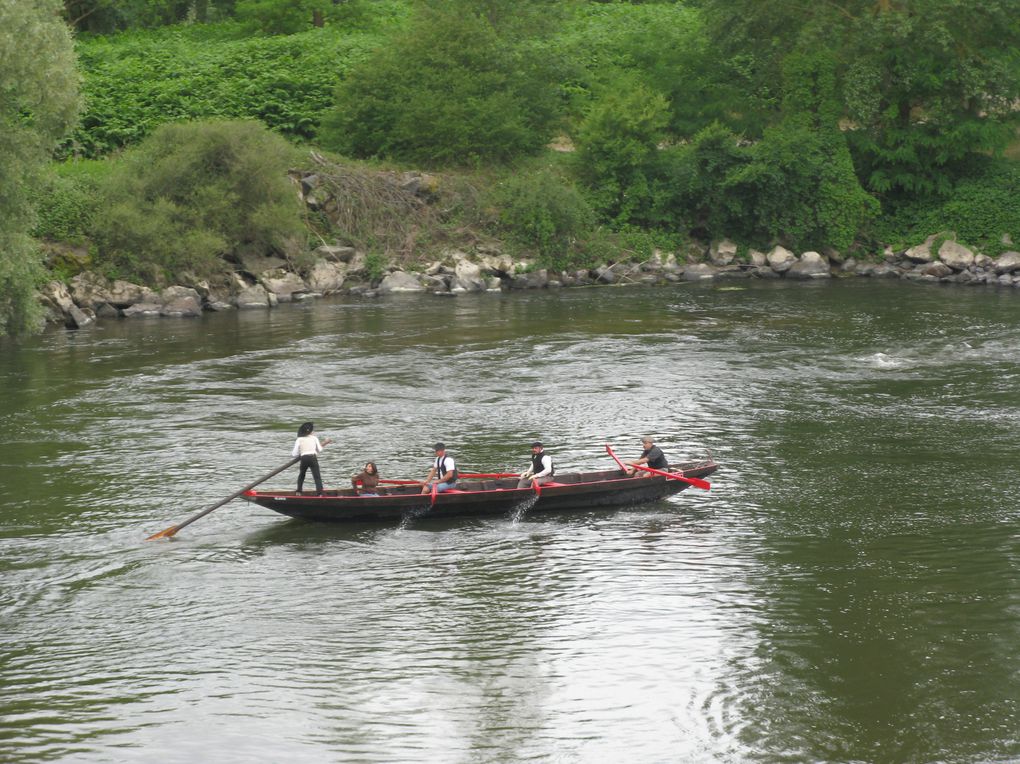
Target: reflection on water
(847, 591)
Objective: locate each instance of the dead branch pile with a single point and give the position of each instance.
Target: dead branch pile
(383, 211)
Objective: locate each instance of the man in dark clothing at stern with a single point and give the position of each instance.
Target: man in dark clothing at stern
(652, 457)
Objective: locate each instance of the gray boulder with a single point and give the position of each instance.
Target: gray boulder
(327, 276)
(282, 283)
(955, 255)
(78, 318)
(467, 277)
(1007, 262)
(496, 264)
(123, 294)
(936, 269)
(401, 281)
(180, 301)
(253, 296)
(56, 301)
(143, 309)
(107, 311)
(89, 290)
(781, 259)
(922, 252)
(722, 253)
(810, 266)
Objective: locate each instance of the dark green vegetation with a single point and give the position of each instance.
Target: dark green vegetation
(193, 194)
(38, 102)
(846, 124)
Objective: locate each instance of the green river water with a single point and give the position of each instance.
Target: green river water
(848, 591)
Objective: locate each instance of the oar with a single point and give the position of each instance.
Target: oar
(696, 482)
(172, 530)
(433, 501)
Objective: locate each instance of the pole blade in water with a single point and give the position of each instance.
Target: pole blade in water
(169, 532)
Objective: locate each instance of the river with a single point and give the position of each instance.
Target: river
(849, 590)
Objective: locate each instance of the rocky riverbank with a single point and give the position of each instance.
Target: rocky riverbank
(267, 282)
(262, 282)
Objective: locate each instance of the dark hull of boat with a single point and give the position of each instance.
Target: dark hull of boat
(569, 492)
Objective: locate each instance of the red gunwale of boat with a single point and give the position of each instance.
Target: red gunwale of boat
(335, 494)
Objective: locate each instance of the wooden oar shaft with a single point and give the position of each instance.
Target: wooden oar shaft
(173, 529)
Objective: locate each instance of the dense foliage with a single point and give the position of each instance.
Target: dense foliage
(191, 195)
(814, 125)
(139, 80)
(544, 214)
(38, 103)
(923, 86)
(269, 16)
(457, 86)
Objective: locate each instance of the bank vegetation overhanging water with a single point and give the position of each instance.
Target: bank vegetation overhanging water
(683, 123)
(402, 213)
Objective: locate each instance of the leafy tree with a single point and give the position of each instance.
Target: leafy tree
(694, 184)
(38, 104)
(923, 86)
(928, 87)
(194, 194)
(800, 182)
(617, 149)
(455, 87)
(290, 16)
(104, 16)
(542, 212)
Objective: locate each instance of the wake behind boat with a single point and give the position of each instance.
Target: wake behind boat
(570, 491)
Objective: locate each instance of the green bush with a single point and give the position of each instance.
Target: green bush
(800, 186)
(617, 147)
(193, 194)
(69, 199)
(692, 184)
(138, 80)
(543, 213)
(981, 208)
(452, 90)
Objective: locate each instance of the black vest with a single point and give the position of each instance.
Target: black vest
(536, 463)
(441, 469)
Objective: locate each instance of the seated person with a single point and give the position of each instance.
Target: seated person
(368, 480)
(652, 456)
(541, 470)
(443, 472)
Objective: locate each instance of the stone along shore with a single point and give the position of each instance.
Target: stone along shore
(342, 270)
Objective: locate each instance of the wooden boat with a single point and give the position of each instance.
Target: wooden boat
(570, 491)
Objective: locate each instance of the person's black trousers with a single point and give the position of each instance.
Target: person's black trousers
(310, 461)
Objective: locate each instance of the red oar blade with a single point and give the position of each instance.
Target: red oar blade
(696, 482)
(168, 533)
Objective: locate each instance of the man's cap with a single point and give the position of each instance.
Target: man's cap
(536, 444)
(439, 447)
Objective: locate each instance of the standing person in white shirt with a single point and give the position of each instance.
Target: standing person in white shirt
(541, 470)
(308, 447)
(444, 470)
